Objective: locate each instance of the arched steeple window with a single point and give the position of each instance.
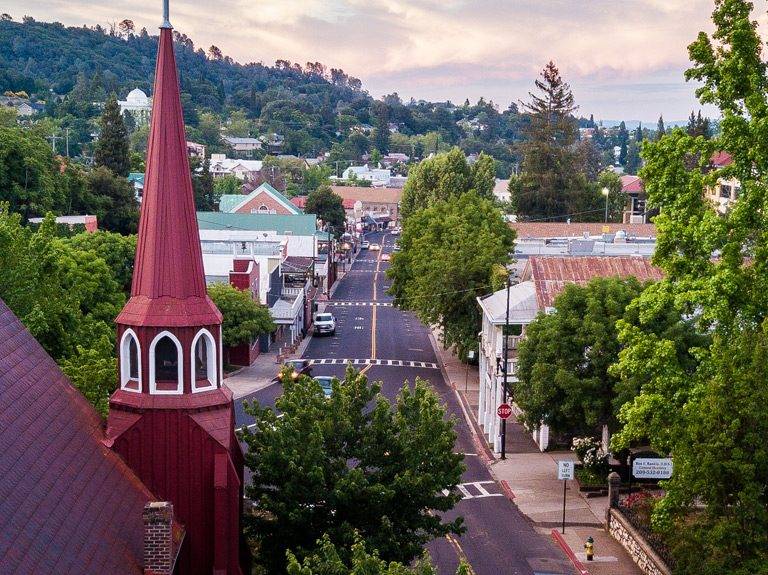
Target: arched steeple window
(166, 372)
(203, 362)
(130, 362)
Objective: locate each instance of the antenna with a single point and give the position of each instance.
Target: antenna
(166, 21)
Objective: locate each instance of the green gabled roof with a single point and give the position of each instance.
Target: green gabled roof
(228, 202)
(298, 225)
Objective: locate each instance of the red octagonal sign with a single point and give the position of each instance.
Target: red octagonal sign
(504, 411)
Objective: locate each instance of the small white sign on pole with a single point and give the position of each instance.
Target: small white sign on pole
(565, 469)
(652, 468)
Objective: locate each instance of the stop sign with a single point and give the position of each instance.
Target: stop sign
(504, 411)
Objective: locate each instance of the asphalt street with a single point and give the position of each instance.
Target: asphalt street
(394, 347)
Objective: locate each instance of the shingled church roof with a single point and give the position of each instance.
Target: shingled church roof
(68, 503)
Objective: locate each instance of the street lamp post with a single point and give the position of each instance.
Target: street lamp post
(504, 384)
(606, 192)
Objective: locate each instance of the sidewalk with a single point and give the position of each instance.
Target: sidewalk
(531, 477)
(260, 373)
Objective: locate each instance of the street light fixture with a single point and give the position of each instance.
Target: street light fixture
(606, 192)
(505, 335)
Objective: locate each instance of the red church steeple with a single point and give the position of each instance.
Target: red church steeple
(171, 419)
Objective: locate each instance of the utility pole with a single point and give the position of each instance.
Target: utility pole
(66, 131)
(53, 138)
(505, 335)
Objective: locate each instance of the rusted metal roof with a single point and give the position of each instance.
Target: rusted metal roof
(169, 262)
(68, 503)
(552, 274)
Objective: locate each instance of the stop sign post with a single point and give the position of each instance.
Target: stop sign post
(504, 411)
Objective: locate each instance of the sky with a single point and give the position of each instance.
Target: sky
(624, 59)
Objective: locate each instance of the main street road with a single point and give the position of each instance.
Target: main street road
(499, 539)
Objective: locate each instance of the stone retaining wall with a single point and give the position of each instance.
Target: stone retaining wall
(642, 554)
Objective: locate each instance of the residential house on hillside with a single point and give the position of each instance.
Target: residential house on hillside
(243, 147)
(632, 188)
(138, 105)
(542, 279)
(89, 224)
(137, 180)
(243, 169)
(501, 190)
(263, 199)
(24, 106)
(727, 189)
(195, 150)
(379, 177)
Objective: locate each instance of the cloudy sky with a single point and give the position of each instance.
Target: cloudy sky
(624, 59)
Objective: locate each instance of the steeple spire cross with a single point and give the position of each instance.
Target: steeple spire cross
(166, 21)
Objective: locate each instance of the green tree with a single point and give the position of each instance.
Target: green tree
(550, 184)
(563, 374)
(244, 318)
(206, 199)
(117, 208)
(709, 413)
(316, 176)
(118, 251)
(93, 371)
(328, 207)
(326, 560)
(226, 185)
(633, 161)
(112, 147)
(660, 129)
(28, 174)
(446, 176)
(7, 117)
(401, 452)
(380, 113)
(448, 252)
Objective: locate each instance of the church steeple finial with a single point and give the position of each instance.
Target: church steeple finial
(166, 20)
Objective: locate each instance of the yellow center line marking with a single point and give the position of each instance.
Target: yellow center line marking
(366, 368)
(460, 552)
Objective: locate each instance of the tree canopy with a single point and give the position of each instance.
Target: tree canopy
(343, 466)
(328, 207)
(448, 253)
(244, 318)
(564, 360)
(112, 150)
(446, 176)
(708, 409)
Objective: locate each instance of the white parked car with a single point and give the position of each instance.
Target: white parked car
(365, 245)
(374, 247)
(325, 323)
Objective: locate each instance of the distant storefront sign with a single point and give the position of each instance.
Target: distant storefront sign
(652, 468)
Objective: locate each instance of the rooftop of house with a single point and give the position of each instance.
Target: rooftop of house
(230, 202)
(372, 195)
(237, 140)
(297, 225)
(721, 159)
(551, 274)
(522, 303)
(69, 504)
(545, 230)
(301, 202)
(631, 184)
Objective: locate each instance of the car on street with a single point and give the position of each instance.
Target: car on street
(385, 257)
(374, 247)
(326, 382)
(396, 247)
(395, 231)
(365, 245)
(325, 323)
(298, 367)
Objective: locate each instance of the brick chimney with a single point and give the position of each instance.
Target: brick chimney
(159, 548)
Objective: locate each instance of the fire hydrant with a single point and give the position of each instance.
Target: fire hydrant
(589, 549)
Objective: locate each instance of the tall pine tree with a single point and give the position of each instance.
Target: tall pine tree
(550, 184)
(112, 149)
(660, 130)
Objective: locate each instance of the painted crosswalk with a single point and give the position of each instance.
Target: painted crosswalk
(361, 303)
(378, 362)
(475, 490)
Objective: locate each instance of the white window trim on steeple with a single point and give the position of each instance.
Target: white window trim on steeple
(125, 360)
(211, 358)
(180, 366)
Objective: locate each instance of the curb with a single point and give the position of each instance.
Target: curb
(482, 449)
(507, 490)
(578, 565)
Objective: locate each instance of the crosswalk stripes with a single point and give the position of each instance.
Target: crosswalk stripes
(378, 362)
(361, 303)
(467, 493)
